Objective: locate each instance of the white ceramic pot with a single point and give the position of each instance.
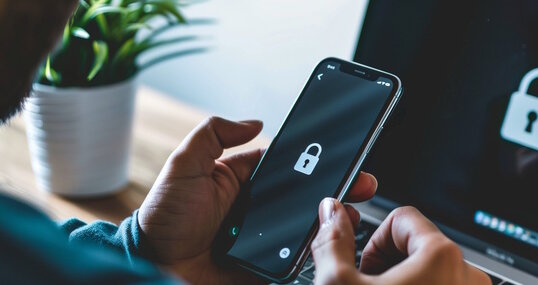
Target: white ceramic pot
(79, 138)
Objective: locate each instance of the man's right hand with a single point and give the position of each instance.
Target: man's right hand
(406, 249)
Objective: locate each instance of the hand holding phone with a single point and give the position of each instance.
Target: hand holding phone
(423, 254)
(317, 153)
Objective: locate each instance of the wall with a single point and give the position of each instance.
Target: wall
(261, 53)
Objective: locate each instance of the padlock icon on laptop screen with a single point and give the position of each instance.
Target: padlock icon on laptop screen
(307, 161)
(520, 123)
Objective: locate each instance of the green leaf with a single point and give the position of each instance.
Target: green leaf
(65, 36)
(100, 50)
(165, 8)
(102, 23)
(170, 56)
(84, 4)
(114, 33)
(97, 10)
(164, 28)
(138, 26)
(80, 33)
(123, 51)
(125, 3)
(51, 75)
(147, 45)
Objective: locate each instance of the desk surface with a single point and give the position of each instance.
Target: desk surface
(160, 125)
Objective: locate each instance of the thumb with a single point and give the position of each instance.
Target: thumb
(197, 153)
(244, 163)
(333, 249)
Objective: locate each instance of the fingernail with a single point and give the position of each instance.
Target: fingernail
(327, 211)
(251, 122)
(372, 179)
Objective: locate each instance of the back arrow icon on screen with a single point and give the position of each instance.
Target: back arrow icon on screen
(319, 76)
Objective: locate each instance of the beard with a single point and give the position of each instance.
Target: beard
(28, 31)
(13, 90)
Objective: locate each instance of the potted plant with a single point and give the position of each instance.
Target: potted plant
(80, 112)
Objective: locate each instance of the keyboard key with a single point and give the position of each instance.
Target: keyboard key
(308, 263)
(310, 273)
(358, 256)
(508, 283)
(364, 233)
(300, 281)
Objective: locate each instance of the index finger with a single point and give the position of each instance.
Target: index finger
(399, 236)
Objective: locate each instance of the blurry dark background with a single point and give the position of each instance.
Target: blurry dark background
(460, 61)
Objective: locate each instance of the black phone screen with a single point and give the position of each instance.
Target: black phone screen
(309, 159)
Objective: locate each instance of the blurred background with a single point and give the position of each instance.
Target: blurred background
(90, 131)
(90, 142)
(262, 52)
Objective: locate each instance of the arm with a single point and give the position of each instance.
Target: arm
(34, 251)
(126, 238)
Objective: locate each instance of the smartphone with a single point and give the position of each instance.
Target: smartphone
(317, 153)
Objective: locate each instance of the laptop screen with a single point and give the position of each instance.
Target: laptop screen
(463, 145)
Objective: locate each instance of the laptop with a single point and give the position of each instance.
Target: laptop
(463, 145)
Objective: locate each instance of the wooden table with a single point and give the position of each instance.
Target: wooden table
(160, 125)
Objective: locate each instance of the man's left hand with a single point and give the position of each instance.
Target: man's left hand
(193, 194)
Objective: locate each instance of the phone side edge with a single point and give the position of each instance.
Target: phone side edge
(373, 138)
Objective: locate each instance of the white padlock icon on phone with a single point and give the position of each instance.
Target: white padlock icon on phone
(520, 123)
(307, 162)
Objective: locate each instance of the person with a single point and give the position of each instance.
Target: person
(168, 240)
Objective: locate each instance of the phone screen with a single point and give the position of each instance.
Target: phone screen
(310, 159)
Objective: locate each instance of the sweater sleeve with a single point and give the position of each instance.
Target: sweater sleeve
(127, 238)
(35, 251)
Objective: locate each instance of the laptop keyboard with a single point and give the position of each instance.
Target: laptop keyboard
(364, 232)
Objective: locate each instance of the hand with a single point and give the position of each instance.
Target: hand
(193, 193)
(406, 249)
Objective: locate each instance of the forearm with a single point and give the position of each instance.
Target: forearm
(126, 238)
(35, 251)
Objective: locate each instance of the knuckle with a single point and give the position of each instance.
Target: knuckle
(316, 243)
(208, 124)
(447, 250)
(208, 136)
(404, 211)
(327, 239)
(325, 235)
(332, 234)
(210, 121)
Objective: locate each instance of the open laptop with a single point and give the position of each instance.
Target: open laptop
(461, 147)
